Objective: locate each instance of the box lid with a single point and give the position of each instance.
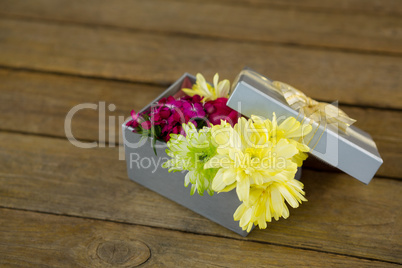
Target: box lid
(353, 152)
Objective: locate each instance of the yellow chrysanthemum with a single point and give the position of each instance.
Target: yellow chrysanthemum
(202, 88)
(294, 132)
(246, 156)
(259, 158)
(268, 201)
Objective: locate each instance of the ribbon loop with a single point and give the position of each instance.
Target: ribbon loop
(317, 111)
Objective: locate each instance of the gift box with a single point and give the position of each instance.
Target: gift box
(145, 167)
(349, 149)
(323, 130)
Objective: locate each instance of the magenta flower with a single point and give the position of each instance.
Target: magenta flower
(169, 114)
(146, 125)
(193, 110)
(217, 110)
(134, 122)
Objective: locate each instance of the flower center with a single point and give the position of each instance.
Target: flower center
(202, 157)
(193, 108)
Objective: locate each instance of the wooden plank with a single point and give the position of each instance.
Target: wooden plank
(30, 239)
(388, 7)
(327, 75)
(38, 103)
(342, 215)
(246, 22)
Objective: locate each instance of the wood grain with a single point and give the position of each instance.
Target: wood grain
(389, 7)
(72, 242)
(324, 75)
(342, 215)
(39, 103)
(62, 206)
(382, 33)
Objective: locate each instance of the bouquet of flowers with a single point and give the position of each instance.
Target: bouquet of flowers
(223, 151)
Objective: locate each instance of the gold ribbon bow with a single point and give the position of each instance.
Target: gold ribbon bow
(316, 111)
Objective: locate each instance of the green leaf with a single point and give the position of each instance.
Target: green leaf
(158, 131)
(146, 117)
(143, 137)
(153, 144)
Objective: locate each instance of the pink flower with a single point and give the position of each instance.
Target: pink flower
(167, 115)
(134, 122)
(174, 130)
(217, 110)
(170, 114)
(146, 125)
(193, 110)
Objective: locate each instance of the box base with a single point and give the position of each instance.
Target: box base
(145, 168)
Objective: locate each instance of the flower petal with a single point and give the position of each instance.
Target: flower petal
(276, 201)
(218, 184)
(239, 212)
(243, 187)
(229, 176)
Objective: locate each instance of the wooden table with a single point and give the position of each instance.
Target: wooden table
(65, 206)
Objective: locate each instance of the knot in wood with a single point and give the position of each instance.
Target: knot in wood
(123, 253)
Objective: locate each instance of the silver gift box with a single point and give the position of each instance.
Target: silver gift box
(353, 152)
(145, 168)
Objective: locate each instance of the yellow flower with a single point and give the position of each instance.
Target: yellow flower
(259, 158)
(268, 201)
(202, 88)
(246, 156)
(292, 130)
